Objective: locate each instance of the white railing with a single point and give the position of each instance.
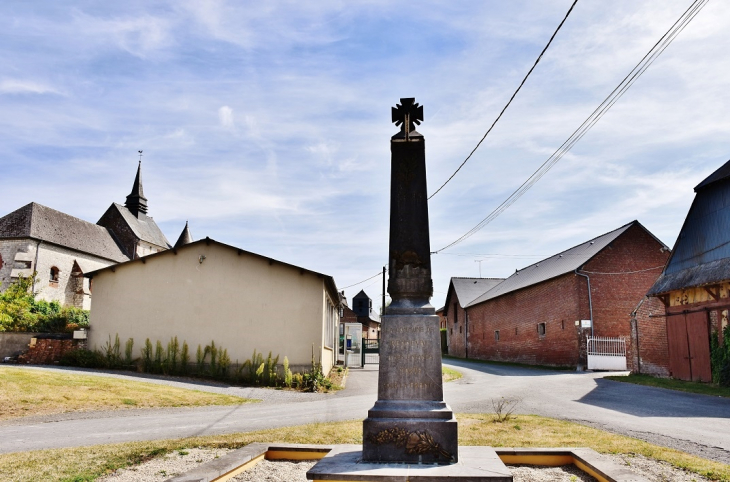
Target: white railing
(606, 353)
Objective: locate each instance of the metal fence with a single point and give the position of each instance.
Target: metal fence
(606, 353)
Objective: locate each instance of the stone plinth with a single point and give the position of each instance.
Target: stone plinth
(410, 422)
(476, 464)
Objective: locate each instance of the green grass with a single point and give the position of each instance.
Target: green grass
(26, 392)
(671, 384)
(510, 364)
(449, 374)
(87, 463)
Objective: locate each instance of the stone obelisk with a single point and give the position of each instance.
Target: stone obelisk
(410, 422)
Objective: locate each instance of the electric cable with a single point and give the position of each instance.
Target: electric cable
(508, 102)
(380, 273)
(597, 114)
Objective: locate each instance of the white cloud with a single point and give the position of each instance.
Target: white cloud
(16, 86)
(225, 117)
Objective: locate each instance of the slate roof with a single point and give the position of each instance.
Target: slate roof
(143, 227)
(701, 254)
(467, 289)
(43, 223)
(185, 237)
(554, 266)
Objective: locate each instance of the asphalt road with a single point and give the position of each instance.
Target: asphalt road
(697, 424)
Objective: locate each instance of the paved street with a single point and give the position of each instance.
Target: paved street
(693, 423)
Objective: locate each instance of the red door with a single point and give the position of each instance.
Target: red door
(698, 337)
(689, 346)
(678, 348)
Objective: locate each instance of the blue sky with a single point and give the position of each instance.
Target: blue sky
(267, 124)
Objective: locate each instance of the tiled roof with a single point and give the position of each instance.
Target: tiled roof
(143, 227)
(554, 266)
(40, 222)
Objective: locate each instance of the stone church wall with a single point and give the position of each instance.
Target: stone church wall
(71, 290)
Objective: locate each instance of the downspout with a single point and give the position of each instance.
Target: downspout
(35, 266)
(590, 300)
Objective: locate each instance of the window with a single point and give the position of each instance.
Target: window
(456, 314)
(562, 324)
(515, 330)
(496, 335)
(541, 329)
(459, 329)
(53, 277)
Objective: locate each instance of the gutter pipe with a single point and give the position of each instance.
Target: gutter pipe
(590, 300)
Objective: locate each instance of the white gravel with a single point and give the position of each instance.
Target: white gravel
(179, 462)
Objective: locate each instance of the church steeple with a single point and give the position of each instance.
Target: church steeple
(136, 202)
(185, 237)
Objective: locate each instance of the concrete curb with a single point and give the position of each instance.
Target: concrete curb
(235, 462)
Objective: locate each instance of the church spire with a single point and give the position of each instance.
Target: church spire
(185, 237)
(136, 202)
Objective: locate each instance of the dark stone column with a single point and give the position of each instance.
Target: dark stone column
(410, 423)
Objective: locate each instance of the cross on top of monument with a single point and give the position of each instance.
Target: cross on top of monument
(408, 114)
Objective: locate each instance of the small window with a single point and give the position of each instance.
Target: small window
(562, 324)
(515, 330)
(451, 331)
(541, 329)
(53, 277)
(456, 314)
(496, 335)
(459, 329)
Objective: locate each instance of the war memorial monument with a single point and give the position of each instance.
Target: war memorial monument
(410, 433)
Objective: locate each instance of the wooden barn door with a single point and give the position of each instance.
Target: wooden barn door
(689, 346)
(698, 337)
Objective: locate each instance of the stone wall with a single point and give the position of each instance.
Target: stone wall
(71, 289)
(13, 344)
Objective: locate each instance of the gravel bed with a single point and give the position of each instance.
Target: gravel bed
(179, 462)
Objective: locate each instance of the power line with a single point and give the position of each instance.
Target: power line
(380, 273)
(599, 112)
(508, 102)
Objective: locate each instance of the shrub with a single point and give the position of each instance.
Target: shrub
(112, 353)
(287, 374)
(720, 356)
(147, 356)
(184, 358)
(128, 350)
(83, 358)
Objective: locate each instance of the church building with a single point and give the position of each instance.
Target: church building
(61, 248)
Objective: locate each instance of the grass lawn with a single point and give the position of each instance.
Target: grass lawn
(34, 392)
(681, 385)
(87, 463)
(449, 374)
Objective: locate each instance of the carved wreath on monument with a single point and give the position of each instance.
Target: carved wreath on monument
(415, 442)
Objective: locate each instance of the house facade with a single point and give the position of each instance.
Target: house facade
(543, 313)
(207, 291)
(694, 288)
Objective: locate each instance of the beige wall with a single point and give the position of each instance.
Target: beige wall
(241, 301)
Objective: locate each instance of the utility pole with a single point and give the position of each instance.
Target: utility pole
(480, 266)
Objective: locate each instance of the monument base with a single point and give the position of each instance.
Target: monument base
(476, 464)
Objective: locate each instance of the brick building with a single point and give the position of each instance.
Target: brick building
(362, 310)
(461, 292)
(535, 316)
(693, 291)
(60, 248)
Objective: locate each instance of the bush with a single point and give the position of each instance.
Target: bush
(720, 357)
(83, 358)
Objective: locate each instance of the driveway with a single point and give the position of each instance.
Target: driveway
(697, 424)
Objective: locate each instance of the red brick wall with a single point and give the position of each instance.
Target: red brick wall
(516, 315)
(651, 356)
(48, 351)
(455, 335)
(560, 302)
